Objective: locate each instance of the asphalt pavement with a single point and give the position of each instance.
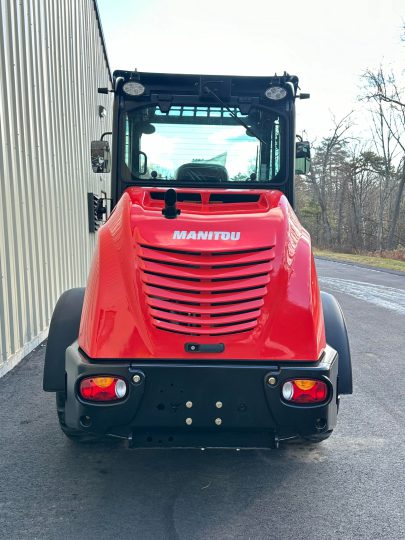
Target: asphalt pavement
(351, 486)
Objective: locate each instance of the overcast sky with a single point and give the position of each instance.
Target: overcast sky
(327, 44)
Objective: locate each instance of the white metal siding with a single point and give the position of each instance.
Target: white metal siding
(52, 60)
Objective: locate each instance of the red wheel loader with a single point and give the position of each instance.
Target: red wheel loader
(202, 324)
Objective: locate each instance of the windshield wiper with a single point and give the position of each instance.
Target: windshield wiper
(235, 116)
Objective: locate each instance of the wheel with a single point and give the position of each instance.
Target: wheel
(336, 337)
(63, 331)
(317, 437)
(73, 434)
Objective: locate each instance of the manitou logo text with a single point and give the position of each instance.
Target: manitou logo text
(206, 235)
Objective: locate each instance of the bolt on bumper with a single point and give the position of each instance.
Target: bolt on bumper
(198, 404)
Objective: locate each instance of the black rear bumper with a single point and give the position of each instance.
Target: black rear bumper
(201, 404)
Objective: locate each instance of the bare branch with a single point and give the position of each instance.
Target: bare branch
(387, 99)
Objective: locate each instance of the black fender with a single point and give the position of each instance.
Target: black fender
(336, 337)
(63, 331)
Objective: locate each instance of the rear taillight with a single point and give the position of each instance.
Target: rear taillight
(103, 388)
(305, 391)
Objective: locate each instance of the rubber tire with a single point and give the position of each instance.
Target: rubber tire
(75, 435)
(63, 331)
(317, 438)
(337, 338)
(308, 440)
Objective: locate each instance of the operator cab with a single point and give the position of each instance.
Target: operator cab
(204, 131)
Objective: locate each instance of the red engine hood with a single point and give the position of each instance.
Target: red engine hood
(233, 269)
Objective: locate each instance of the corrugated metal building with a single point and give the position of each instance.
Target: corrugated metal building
(52, 60)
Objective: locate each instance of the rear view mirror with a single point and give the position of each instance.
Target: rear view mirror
(302, 157)
(100, 156)
(143, 163)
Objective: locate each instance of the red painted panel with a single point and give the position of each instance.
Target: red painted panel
(241, 274)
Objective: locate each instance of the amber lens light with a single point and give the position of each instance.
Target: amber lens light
(103, 382)
(305, 384)
(103, 388)
(305, 391)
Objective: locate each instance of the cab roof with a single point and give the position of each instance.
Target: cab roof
(224, 85)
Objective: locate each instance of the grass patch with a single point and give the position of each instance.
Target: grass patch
(369, 260)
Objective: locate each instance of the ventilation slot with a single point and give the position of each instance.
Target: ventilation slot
(227, 198)
(204, 293)
(181, 196)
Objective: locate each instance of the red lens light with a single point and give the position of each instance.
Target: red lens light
(305, 391)
(102, 388)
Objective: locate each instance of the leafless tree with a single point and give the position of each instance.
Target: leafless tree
(354, 197)
(388, 112)
(322, 169)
